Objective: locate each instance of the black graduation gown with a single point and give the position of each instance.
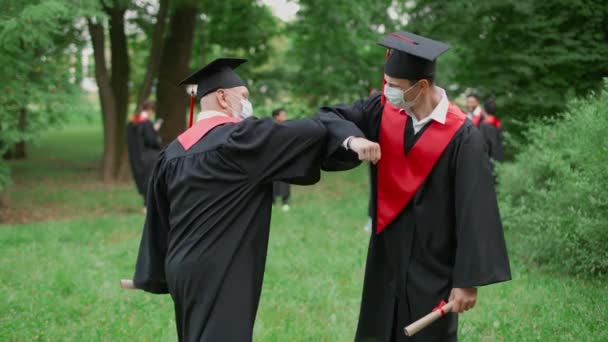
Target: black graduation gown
(494, 142)
(448, 236)
(206, 232)
(143, 146)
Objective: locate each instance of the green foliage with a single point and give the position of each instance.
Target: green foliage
(239, 28)
(554, 194)
(334, 51)
(532, 55)
(37, 39)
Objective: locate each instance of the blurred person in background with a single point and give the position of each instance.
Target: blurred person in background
(491, 128)
(143, 145)
(474, 108)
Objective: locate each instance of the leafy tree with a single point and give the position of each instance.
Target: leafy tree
(37, 39)
(532, 55)
(334, 49)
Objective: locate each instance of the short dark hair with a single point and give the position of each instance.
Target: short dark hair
(490, 106)
(277, 112)
(473, 95)
(148, 105)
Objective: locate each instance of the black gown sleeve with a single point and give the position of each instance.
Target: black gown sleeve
(499, 151)
(290, 151)
(493, 140)
(481, 253)
(135, 148)
(150, 136)
(342, 121)
(150, 267)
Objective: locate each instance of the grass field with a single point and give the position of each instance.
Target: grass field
(71, 238)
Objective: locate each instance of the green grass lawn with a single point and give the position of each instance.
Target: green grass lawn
(59, 276)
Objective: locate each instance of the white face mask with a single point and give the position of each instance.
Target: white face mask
(396, 97)
(246, 110)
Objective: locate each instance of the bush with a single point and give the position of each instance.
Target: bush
(554, 195)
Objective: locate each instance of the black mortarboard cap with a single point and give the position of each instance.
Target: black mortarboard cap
(215, 75)
(411, 57)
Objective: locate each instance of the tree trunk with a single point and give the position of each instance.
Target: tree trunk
(172, 100)
(120, 83)
(155, 52)
(107, 100)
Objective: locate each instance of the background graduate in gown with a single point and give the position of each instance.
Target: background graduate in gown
(437, 230)
(491, 129)
(143, 145)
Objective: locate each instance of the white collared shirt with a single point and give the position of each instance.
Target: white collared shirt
(438, 114)
(475, 112)
(206, 114)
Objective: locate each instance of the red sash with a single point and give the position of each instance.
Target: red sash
(489, 119)
(492, 120)
(401, 175)
(195, 133)
(476, 119)
(137, 118)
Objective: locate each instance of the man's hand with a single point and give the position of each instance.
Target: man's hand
(365, 149)
(463, 299)
(158, 124)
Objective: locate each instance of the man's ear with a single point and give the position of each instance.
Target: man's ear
(424, 83)
(220, 97)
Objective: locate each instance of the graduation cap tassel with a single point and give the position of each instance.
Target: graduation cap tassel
(190, 121)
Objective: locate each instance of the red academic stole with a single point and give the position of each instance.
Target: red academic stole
(202, 127)
(137, 118)
(490, 119)
(401, 175)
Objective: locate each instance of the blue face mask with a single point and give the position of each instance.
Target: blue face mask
(396, 97)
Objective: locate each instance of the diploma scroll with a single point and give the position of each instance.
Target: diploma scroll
(425, 321)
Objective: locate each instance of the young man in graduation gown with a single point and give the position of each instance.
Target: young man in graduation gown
(209, 205)
(474, 109)
(437, 233)
(143, 146)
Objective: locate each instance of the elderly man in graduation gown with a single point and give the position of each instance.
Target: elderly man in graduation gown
(437, 233)
(209, 203)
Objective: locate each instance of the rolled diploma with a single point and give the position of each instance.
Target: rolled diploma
(422, 323)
